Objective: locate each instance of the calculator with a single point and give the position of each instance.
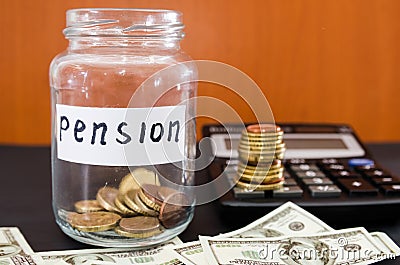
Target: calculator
(326, 166)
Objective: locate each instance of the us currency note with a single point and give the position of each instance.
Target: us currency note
(155, 256)
(190, 253)
(288, 219)
(386, 243)
(13, 247)
(347, 246)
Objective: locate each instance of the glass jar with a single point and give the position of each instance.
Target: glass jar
(123, 128)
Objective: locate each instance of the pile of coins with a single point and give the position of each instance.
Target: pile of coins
(261, 149)
(132, 210)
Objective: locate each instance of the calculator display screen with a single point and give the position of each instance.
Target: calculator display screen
(298, 145)
(315, 144)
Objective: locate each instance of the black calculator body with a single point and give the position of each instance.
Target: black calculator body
(327, 169)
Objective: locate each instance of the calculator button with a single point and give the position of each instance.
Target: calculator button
(317, 181)
(303, 167)
(310, 174)
(288, 192)
(386, 180)
(337, 167)
(361, 162)
(376, 173)
(344, 174)
(365, 168)
(247, 194)
(324, 191)
(290, 182)
(295, 161)
(327, 161)
(391, 189)
(358, 186)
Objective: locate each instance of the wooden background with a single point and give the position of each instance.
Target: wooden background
(315, 60)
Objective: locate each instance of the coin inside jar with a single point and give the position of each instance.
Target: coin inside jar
(106, 198)
(139, 227)
(85, 206)
(145, 176)
(94, 221)
(148, 196)
(127, 183)
(130, 201)
(145, 210)
(139, 224)
(174, 210)
(119, 203)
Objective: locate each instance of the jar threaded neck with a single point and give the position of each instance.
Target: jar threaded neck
(114, 22)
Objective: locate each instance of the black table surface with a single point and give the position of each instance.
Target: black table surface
(25, 201)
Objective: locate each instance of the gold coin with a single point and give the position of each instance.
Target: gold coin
(150, 201)
(264, 180)
(128, 200)
(259, 152)
(261, 137)
(94, 221)
(262, 148)
(260, 158)
(145, 209)
(127, 183)
(145, 176)
(106, 198)
(252, 152)
(244, 139)
(69, 216)
(261, 128)
(263, 158)
(259, 173)
(139, 227)
(124, 233)
(85, 206)
(274, 165)
(119, 203)
(249, 186)
(175, 210)
(131, 198)
(139, 224)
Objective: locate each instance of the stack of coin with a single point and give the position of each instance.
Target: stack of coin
(261, 149)
(132, 210)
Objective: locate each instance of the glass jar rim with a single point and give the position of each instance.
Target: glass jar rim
(126, 22)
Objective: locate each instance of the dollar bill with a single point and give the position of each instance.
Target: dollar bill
(288, 219)
(386, 243)
(347, 246)
(190, 253)
(160, 255)
(13, 247)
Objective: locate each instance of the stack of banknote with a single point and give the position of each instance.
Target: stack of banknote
(287, 235)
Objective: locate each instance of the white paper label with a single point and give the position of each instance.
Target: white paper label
(120, 136)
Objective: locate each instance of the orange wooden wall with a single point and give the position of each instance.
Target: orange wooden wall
(316, 60)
